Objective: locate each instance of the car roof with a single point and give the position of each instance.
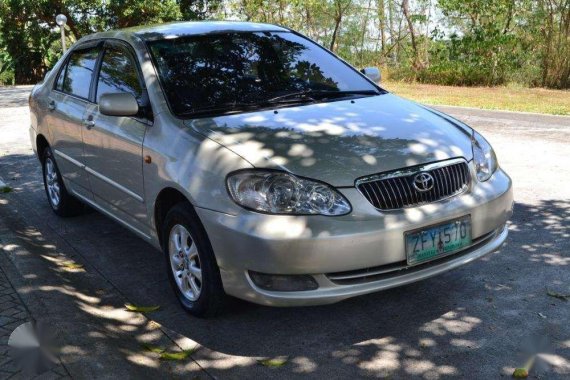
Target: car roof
(186, 28)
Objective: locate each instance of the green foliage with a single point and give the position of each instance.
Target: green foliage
(198, 9)
(30, 39)
(451, 42)
(125, 13)
(457, 42)
(6, 63)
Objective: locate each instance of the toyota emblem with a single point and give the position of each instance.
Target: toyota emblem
(423, 182)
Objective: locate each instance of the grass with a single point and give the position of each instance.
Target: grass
(555, 102)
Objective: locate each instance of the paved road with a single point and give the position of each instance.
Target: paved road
(13, 313)
(474, 322)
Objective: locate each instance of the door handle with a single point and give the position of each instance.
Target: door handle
(51, 105)
(89, 122)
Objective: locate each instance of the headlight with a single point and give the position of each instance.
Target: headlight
(484, 157)
(276, 192)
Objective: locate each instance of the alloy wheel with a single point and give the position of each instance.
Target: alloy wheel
(52, 183)
(185, 262)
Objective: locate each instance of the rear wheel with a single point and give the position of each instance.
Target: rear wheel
(61, 202)
(191, 264)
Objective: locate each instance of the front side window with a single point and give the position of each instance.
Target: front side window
(208, 71)
(118, 73)
(78, 73)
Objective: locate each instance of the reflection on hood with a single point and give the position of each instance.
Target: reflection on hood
(338, 142)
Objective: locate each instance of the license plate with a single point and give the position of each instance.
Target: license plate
(437, 241)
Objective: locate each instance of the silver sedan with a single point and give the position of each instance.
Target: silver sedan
(263, 166)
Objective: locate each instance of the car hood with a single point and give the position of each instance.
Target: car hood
(337, 142)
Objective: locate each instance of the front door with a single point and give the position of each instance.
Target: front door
(113, 145)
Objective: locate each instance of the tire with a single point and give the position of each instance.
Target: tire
(61, 202)
(192, 268)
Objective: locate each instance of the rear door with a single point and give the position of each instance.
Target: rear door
(113, 145)
(67, 104)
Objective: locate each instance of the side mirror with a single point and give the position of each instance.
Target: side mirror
(373, 73)
(120, 104)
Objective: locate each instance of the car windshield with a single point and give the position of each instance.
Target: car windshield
(239, 71)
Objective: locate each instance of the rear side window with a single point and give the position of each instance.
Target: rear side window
(118, 73)
(59, 84)
(78, 73)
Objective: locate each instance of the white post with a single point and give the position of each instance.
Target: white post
(62, 28)
(61, 20)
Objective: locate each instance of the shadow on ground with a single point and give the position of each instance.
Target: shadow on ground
(14, 96)
(472, 322)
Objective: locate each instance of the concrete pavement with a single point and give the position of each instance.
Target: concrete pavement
(474, 322)
(14, 313)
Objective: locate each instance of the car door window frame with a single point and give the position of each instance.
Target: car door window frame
(147, 116)
(63, 70)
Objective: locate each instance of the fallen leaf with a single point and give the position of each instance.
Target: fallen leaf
(141, 309)
(277, 362)
(180, 355)
(155, 349)
(154, 324)
(560, 296)
(520, 373)
(5, 189)
(72, 265)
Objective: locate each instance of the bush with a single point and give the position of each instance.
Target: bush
(458, 74)
(449, 74)
(7, 78)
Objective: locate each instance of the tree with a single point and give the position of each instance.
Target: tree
(406, 12)
(30, 35)
(198, 9)
(126, 13)
(340, 8)
(551, 23)
(26, 39)
(382, 25)
(458, 42)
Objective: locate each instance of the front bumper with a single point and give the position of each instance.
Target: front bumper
(365, 239)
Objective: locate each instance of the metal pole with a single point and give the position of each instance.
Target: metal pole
(61, 20)
(62, 28)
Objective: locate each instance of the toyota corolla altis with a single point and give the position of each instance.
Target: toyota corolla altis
(262, 165)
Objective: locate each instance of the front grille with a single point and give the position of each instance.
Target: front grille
(395, 190)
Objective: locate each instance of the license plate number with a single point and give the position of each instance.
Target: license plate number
(437, 241)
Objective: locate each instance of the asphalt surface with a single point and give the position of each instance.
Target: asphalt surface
(479, 322)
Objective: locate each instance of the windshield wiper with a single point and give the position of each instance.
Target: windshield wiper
(226, 107)
(232, 107)
(292, 97)
(311, 94)
(302, 95)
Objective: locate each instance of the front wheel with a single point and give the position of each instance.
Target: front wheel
(191, 264)
(61, 202)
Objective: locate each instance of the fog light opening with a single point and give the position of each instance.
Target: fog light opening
(283, 282)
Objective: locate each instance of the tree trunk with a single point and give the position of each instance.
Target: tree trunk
(392, 28)
(382, 26)
(406, 12)
(427, 38)
(364, 30)
(340, 9)
(337, 22)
